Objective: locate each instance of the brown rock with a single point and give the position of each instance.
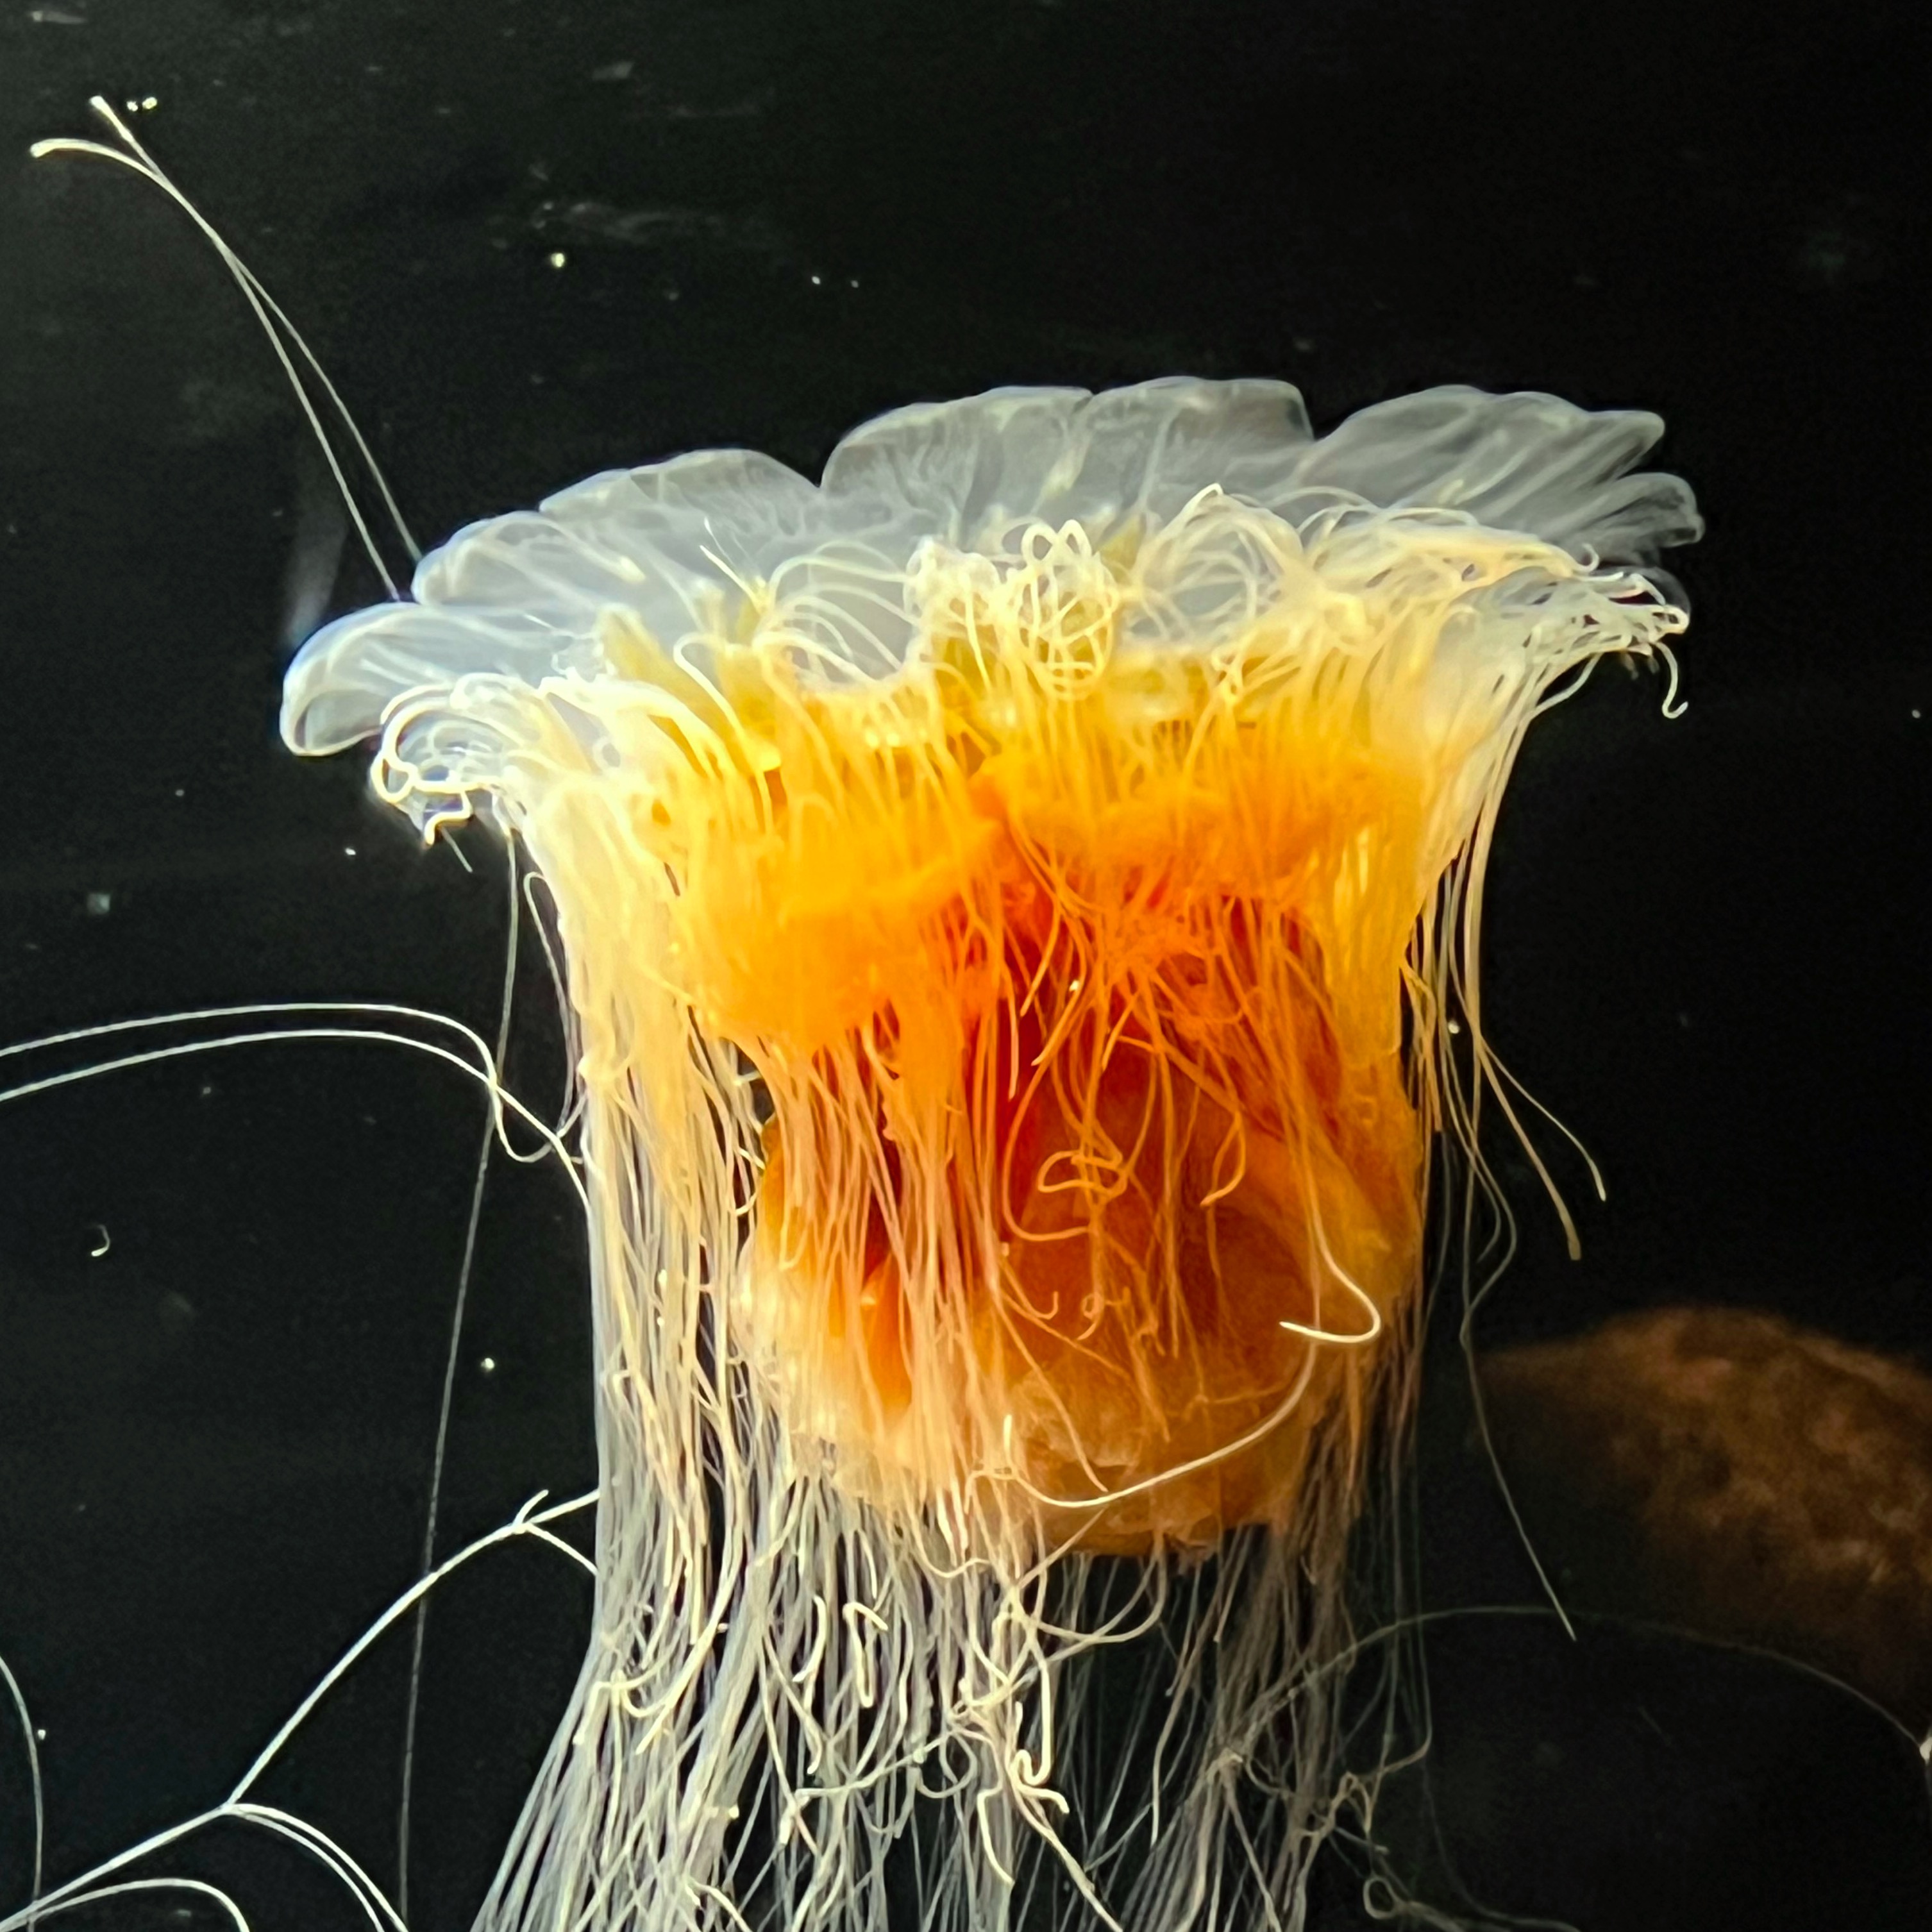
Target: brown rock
(1729, 1472)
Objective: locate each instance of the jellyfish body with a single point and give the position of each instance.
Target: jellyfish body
(1013, 893)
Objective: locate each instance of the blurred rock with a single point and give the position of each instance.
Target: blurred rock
(1730, 1473)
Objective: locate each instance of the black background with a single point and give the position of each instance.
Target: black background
(775, 219)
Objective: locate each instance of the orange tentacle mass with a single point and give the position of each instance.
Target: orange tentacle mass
(1094, 1210)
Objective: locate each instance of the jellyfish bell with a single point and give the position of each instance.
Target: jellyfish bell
(1013, 893)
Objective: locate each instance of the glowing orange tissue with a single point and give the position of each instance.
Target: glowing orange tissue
(1086, 1171)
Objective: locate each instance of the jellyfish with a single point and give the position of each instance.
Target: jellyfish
(1019, 898)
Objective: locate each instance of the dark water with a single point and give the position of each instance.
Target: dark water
(774, 219)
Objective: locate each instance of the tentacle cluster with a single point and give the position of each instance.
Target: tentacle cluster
(1012, 898)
